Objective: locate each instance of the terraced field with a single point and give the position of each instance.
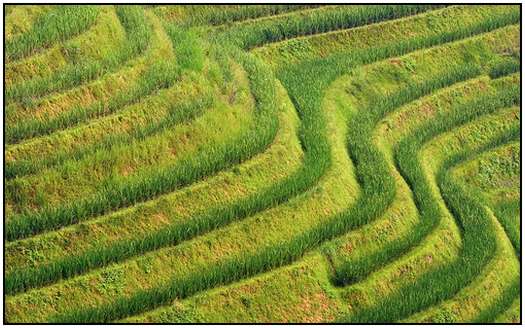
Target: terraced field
(262, 163)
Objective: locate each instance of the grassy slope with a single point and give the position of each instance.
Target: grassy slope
(285, 53)
(215, 247)
(207, 306)
(494, 176)
(250, 300)
(102, 38)
(173, 210)
(20, 18)
(58, 24)
(136, 79)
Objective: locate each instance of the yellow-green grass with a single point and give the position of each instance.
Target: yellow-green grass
(502, 271)
(284, 156)
(494, 177)
(512, 314)
(270, 227)
(256, 219)
(301, 9)
(101, 96)
(298, 293)
(44, 152)
(191, 83)
(436, 22)
(372, 82)
(356, 248)
(58, 24)
(20, 18)
(119, 193)
(493, 38)
(494, 173)
(76, 180)
(443, 244)
(204, 307)
(102, 308)
(102, 38)
(408, 115)
(138, 35)
(258, 299)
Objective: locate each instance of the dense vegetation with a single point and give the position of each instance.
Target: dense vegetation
(262, 163)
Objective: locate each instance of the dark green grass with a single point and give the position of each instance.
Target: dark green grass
(307, 97)
(316, 162)
(501, 304)
(508, 214)
(226, 14)
(505, 66)
(159, 75)
(178, 113)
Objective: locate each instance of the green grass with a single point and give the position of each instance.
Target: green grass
(478, 243)
(205, 303)
(494, 177)
(512, 314)
(239, 296)
(151, 238)
(58, 24)
(223, 14)
(355, 256)
(164, 176)
(98, 41)
(258, 33)
(425, 29)
(64, 111)
(20, 19)
(138, 34)
(116, 191)
(223, 272)
(271, 297)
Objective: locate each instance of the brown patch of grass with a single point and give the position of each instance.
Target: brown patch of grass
(348, 248)
(127, 170)
(396, 62)
(160, 218)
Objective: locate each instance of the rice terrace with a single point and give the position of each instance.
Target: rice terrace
(262, 163)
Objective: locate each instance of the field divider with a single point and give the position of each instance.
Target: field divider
(102, 38)
(172, 114)
(371, 202)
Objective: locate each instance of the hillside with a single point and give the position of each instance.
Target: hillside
(262, 163)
